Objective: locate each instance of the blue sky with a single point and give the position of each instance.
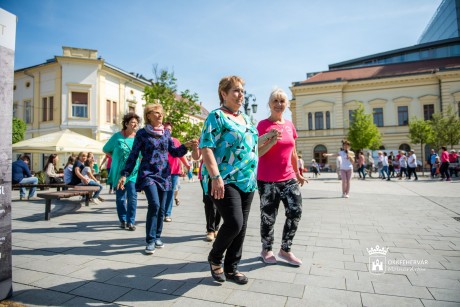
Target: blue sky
(269, 43)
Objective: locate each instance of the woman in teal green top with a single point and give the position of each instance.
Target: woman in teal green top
(228, 145)
(119, 147)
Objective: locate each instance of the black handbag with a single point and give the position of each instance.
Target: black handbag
(56, 180)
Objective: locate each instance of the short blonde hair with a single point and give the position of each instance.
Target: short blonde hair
(151, 107)
(279, 93)
(226, 83)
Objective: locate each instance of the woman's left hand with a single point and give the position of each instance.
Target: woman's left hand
(301, 179)
(191, 143)
(217, 188)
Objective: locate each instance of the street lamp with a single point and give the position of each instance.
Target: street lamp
(247, 99)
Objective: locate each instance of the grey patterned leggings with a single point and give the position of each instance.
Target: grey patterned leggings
(271, 193)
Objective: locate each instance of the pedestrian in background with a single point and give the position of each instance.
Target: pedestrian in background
(346, 167)
(445, 164)
(21, 174)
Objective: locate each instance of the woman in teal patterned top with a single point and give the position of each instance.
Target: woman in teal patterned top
(229, 148)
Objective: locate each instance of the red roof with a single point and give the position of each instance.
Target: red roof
(381, 71)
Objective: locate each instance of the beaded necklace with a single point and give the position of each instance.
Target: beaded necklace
(228, 111)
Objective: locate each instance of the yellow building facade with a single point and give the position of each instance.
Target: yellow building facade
(322, 105)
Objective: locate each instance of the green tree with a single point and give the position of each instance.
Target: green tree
(19, 130)
(420, 132)
(438, 124)
(363, 133)
(177, 106)
(452, 132)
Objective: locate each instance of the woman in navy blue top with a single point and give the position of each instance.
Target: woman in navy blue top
(153, 143)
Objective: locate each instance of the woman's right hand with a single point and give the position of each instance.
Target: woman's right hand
(217, 188)
(121, 183)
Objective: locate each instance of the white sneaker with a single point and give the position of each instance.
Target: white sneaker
(96, 201)
(346, 196)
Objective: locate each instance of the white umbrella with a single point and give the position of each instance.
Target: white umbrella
(58, 142)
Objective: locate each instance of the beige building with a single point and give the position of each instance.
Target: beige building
(322, 105)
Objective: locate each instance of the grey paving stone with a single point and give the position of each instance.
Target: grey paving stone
(359, 285)
(245, 298)
(59, 283)
(83, 301)
(204, 292)
(167, 286)
(27, 277)
(320, 281)
(356, 266)
(445, 294)
(190, 302)
(272, 275)
(137, 281)
(100, 291)
(433, 282)
(431, 303)
(42, 297)
(146, 298)
(334, 272)
(277, 288)
(314, 296)
(370, 300)
(402, 290)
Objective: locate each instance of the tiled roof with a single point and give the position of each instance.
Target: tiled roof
(383, 71)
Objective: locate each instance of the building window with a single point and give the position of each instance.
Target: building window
(351, 116)
(403, 116)
(404, 147)
(328, 120)
(378, 117)
(47, 108)
(108, 109)
(79, 104)
(428, 111)
(310, 121)
(28, 112)
(114, 113)
(319, 121)
(15, 109)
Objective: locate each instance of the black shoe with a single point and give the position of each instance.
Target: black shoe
(131, 227)
(123, 225)
(388, 179)
(220, 277)
(239, 279)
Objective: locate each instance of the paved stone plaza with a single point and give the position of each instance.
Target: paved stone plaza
(81, 257)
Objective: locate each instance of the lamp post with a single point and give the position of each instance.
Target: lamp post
(247, 100)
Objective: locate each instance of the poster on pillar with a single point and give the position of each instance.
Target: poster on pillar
(7, 46)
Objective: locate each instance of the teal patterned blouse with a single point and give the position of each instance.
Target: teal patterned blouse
(235, 149)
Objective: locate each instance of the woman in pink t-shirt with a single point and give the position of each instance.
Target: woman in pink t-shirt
(278, 179)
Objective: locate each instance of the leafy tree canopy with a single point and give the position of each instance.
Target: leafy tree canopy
(363, 133)
(19, 130)
(446, 129)
(177, 106)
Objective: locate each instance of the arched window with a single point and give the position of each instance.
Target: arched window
(310, 121)
(382, 147)
(318, 154)
(404, 147)
(319, 121)
(328, 120)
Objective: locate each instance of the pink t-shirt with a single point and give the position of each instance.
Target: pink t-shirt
(445, 156)
(174, 163)
(276, 165)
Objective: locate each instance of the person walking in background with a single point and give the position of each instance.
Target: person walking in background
(391, 168)
(412, 165)
(445, 164)
(118, 148)
(453, 158)
(301, 165)
(385, 164)
(153, 142)
(176, 171)
(51, 174)
(402, 164)
(21, 174)
(228, 145)
(108, 159)
(346, 167)
(370, 164)
(281, 183)
(361, 165)
(431, 161)
(68, 169)
(210, 211)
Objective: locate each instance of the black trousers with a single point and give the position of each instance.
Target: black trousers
(410, 171)
(444, 170)
(234, 210)
(211, 213)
